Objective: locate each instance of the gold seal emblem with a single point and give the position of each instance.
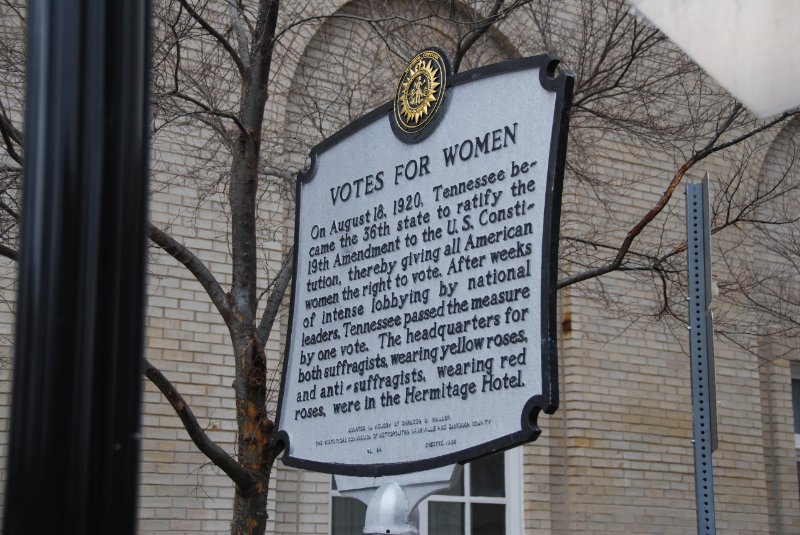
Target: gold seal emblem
(420, 91)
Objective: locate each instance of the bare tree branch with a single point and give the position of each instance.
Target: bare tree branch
(367, 20)
(279, 285)
(710, 148)
(183, 255)
(13, 132)
(206, 108)
(235, 16)
(466, 42)
(243, 71)
(10, 211)
(8, 252)
(211, 449)
(10, 135)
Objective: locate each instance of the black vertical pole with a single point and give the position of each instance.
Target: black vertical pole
(74, 439)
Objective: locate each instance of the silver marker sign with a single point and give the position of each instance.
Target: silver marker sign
(422, 328)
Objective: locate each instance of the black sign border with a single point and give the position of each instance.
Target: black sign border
(551, 79)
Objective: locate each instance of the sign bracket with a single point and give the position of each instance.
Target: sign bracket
(392, 500)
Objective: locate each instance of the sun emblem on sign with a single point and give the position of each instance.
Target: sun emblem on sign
(420, 91)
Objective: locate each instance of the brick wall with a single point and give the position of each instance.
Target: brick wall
(616, 457)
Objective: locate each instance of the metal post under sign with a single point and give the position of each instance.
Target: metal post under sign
(392, 500)
(704, 414)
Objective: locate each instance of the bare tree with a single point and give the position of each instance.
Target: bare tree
(213, 78)
(638, 98)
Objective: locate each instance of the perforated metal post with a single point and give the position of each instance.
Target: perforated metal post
(704, 415)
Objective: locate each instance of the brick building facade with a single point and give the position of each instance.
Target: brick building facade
(617, 456)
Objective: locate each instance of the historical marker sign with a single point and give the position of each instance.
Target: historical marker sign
(423, 329)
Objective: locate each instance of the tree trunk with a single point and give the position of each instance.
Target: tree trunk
(250, 511)
(255, 428)
(254, 439)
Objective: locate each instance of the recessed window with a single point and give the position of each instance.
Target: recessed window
(347, 515)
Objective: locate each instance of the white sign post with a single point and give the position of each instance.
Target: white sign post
(422, 328)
